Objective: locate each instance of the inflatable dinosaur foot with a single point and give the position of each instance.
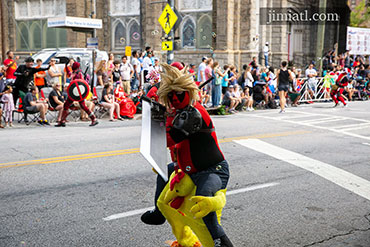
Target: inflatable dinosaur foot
(184, 211)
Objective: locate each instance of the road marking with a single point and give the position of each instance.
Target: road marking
(316, 126)
(368, 144)
(228, 193)
(129, 151)
(336, 175)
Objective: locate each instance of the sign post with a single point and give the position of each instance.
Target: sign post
(167, 20)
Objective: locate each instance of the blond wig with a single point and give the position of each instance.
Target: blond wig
(172, 79)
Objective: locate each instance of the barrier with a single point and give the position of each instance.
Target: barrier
(320, 93)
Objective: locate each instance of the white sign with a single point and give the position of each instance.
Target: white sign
(358, 40)
(92, 43)
(77, 22)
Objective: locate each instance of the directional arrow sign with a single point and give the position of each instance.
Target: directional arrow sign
(167, 45)
(167, 19)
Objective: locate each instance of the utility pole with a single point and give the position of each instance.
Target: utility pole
(2, 31)
(320, 36)
(171, 35)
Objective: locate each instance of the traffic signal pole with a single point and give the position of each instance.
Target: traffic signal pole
(171, 35)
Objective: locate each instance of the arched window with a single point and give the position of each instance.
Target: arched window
(51, 37)
(135, 35)
(188, 34)
(35, 31)
(204, 32)
(119, 36)
(62, 34)
(23, 38)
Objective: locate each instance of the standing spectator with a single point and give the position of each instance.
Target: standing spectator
(110, 65)
(233, 75)
(248, 83)
(192, 71)
(102, 74)
(54, 72)
(127, 73)
(201, 68)
(11, 66)
(266, 54)
(135, 83)
(283, 78)
(147, 65)
(217, 84)
(157, 66)
(225, 80)
(116, 73)
(254, 62)
(208, 74)
(33, 105)
(68, 71)
(8, 101)
(39, 76)
(107, 101)
(311, 74)
(24, 74)
(347, 59)
(56, 99)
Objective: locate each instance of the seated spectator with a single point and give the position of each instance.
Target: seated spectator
(237, 94)
(230, 101)
(294, 96)
(89, 101)
(204, 96)
(56, 99)
(107, 101)
(33, 105)
(248, 97)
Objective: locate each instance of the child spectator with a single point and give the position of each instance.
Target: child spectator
(8, 101)
(248, 97)
(225, 80)
(241, 101)
(229, 101)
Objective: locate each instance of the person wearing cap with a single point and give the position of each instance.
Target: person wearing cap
(230, 101)
(76, 75)
(266, 51)
(24, 74)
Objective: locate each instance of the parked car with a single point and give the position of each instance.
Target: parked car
(63, 55)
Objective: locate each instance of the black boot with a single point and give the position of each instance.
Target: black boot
(153, 217)
(223, 241)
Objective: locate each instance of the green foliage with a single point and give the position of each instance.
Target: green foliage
(221, 110)
(360, 16)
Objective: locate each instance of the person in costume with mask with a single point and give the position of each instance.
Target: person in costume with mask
(192, 140)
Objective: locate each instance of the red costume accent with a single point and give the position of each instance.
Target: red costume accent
(126, 104)
(336, 93)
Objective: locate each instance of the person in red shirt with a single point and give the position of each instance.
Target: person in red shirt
(11, 65)
(39, 78)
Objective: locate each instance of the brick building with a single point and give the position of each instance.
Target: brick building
(229, 30)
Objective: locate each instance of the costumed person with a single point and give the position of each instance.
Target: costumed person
(127, 106)
(76, 75)
(193, 143)
(337, 90)
(24, 74)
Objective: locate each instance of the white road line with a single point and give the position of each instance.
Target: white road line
(324, 120)
(228, 193)
(349, 126)
(318, 127)
(336, 175)
(368, 144)
(357, 128)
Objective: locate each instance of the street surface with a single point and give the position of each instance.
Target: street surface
(297, 179)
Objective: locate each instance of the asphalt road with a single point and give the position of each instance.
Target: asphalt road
(297, 179)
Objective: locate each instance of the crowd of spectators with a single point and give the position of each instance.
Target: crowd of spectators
(122, 83)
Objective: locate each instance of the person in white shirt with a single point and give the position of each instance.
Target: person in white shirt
(202, 66)
(147, 65)
(311, 74)
(135, 83)
(266, 54)
(127, 72)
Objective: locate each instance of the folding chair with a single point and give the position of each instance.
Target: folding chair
(45, 92)
(100, 111)
(21, 111)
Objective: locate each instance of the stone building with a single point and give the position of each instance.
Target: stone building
(228, 30)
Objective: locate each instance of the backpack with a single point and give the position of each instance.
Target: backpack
(241, 80)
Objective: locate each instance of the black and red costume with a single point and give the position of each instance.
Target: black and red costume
(337, 90)
(197, 153)
(76, 74)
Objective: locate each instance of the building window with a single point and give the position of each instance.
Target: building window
(119, 36)
(188, 34)
(135, 35)
(204, 32)
(124, 7)
(36, 34)
(195, 5)
(22, 37)
(39, 9)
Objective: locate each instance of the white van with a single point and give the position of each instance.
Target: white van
(63, 55)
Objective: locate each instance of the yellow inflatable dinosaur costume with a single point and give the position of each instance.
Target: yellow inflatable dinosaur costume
(184, 211)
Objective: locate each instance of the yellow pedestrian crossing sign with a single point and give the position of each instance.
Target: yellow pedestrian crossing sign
(167, 45)
(167, 19)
